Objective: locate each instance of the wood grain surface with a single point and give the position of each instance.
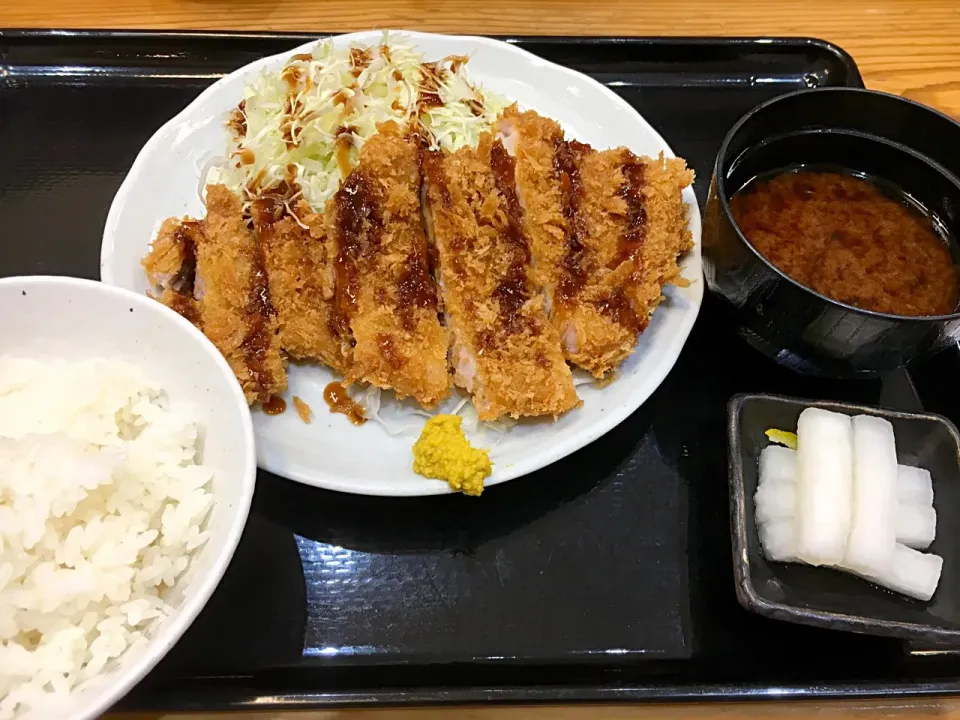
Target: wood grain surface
(910, 47)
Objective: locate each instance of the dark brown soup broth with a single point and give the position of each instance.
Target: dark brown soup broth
(859, 241)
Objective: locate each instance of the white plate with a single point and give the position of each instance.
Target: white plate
(331, 453)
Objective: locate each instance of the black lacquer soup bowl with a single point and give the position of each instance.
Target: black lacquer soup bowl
(864, 132)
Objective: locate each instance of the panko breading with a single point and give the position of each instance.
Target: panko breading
(235, 309)
(172, 260)
(595, 317)
(667, 236)
(606, 229)
(387, 302)
(505, 352)
(618, 255)
(171, 266)
(300, 272)
(532, 140)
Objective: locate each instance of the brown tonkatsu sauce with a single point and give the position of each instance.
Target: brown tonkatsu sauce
(185, 278)
(182, 284)
(292, 108)
(475, 106)
(341, 97)
(274, 406)
(416, 288)
(512, 291)
(186, 307)
(632, 194)
(845, 238)
(272, 204)
(428, 95)
(360, 59)
(338, 401)
(457, 61)
(260, 311)
(237, 123)
(503, 167)
(292, 76)
(358, 224)
(342, 145)
(566, 157)
(511, 294)
(253, 187)
(617, 306)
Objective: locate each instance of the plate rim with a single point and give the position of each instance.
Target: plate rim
(600, 427)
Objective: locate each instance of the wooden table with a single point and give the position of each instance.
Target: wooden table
(911, 47)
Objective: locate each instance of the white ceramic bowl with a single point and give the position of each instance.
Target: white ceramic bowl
(80, 319)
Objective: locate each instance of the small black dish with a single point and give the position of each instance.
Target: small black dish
(828, 598)
(880, 135)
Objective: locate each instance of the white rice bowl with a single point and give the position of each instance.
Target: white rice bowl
(126, 472)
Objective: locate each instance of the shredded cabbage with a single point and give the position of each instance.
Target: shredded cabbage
(582, 377)
(309, 120)
(397, 417)
(405, 417)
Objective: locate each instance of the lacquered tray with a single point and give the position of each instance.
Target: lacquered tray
(604, 577)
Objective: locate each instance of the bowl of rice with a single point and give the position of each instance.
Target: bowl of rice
(127, 467)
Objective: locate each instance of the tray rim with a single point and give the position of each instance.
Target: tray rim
(658, 693)
(243, 691)
(760, 42)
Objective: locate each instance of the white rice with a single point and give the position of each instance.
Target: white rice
(101, 507)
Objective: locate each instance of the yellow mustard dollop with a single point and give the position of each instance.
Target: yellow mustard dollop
(443, 452)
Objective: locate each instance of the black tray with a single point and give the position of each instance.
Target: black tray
(604, 577)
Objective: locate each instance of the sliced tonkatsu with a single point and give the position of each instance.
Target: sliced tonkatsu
(171, 266)
(595, 316)
(490, 268)
(667, 235)
(606, 230)
(235, 308)
(633, 216)
(300, 273)
(505, 352)
(212, 272)
(386, 301)
(533, 140)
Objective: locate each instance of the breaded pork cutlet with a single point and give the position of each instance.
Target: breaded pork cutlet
(171, 266)
(596, 327)
(235, 309)
(606, 229)
(505, 352)
(668, 235)
(598, 323)
(387, 302)
(633, 226)
(532, 140)
(300, 274)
